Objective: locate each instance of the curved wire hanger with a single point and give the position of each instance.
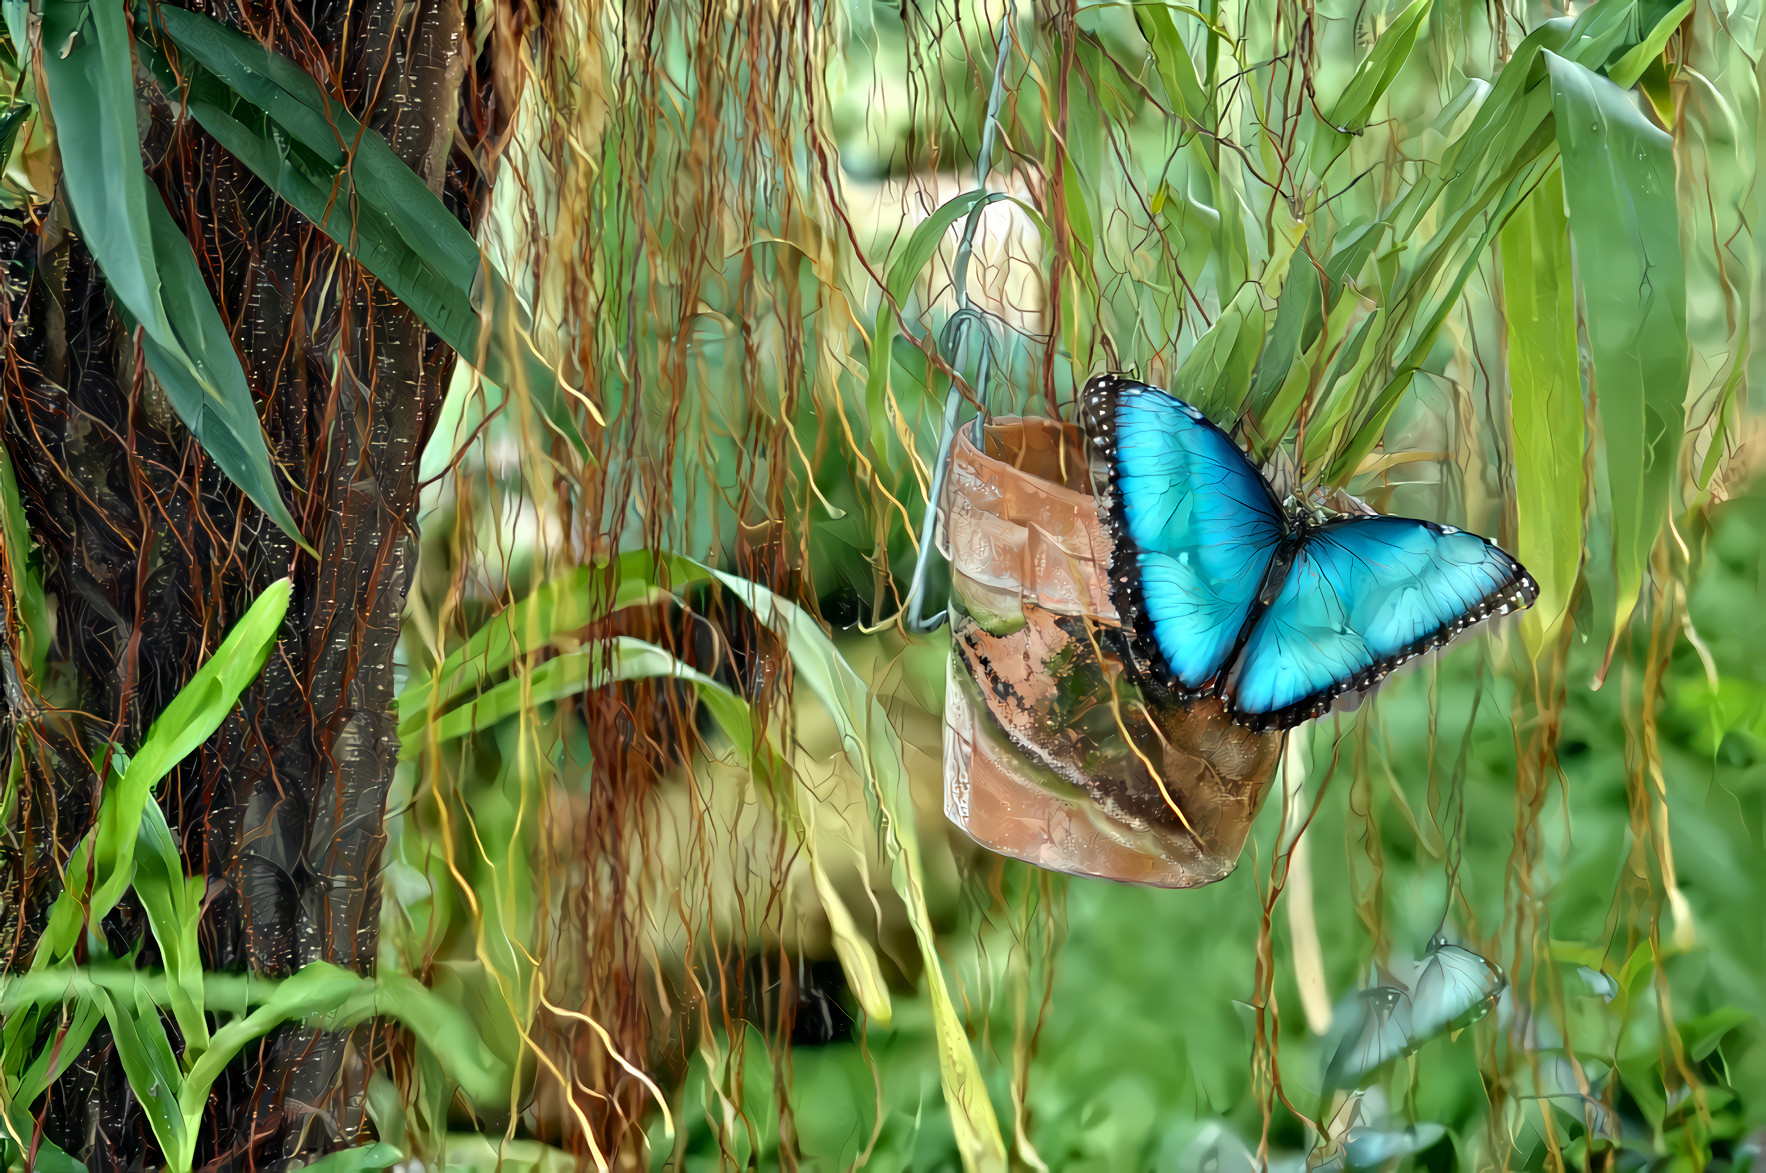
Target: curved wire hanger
(951, 342)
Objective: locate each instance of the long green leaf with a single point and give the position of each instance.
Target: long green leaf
(1217, 372)
(922, 244)
(448, 1031)
(1619, 184)
(317, 989)
(1626, 70)
(173, 903)
(1545, 405)
(90, 89)
(333, 997)
(1345, 320)
(16, 1130)
(1484, 174)
(1375, 75)
(185, 723)
(874, 748)
(345, 178)
(190, 719)
(560, 606)
(1505, 121)
(378, 1155)
(1298, 319)
(30, 616)
(557, 678)
(60, 1051)
(1427, 314)
(624, 658)
(1177, 70)
(152, 1071)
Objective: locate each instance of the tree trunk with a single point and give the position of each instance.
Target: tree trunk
(149, 556)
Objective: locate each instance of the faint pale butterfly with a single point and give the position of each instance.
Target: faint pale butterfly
(1598, 982)
(1378, 1031)
(1369, 1148)
(1455, 987)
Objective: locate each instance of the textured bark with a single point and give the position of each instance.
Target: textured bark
(389, 383)
(149, 555)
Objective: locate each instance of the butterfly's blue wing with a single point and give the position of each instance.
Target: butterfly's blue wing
(1362, 596)
(1195, 528)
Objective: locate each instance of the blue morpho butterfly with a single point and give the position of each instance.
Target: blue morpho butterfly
(1454, 988)
(1278, 611)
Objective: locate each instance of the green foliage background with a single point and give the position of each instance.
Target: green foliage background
(1493, 266)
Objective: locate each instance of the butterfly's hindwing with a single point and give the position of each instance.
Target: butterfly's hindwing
(1194, 528)
(1363, 596)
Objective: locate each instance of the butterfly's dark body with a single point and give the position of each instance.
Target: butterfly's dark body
(1293, 532)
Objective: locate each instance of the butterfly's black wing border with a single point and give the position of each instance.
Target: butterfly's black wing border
(1517, 592)
(1147, 664)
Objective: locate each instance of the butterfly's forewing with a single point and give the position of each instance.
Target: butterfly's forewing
(1380, 1031)
(1195, 528)
(1455, 987)
(1362, 596)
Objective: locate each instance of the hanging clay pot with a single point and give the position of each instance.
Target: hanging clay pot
(1052, 754)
